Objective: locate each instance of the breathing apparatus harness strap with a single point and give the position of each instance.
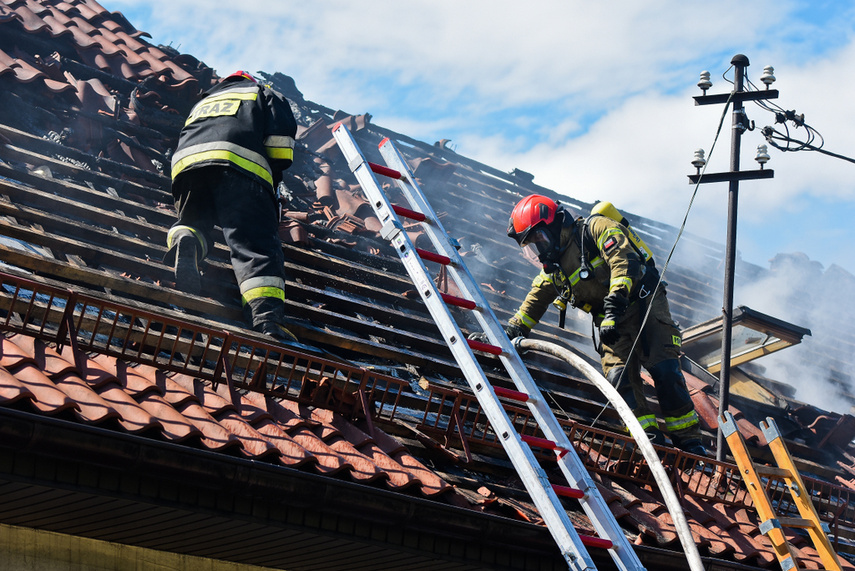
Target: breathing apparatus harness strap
(553, 268)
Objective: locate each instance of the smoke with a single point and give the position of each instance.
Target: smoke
(794, 289)
(800, 291)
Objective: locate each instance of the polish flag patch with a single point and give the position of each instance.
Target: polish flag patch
(610, 243)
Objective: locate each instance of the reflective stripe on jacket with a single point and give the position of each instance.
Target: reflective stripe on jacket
(613, 263)
(242, 125)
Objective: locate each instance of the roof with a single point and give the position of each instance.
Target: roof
(103, 362)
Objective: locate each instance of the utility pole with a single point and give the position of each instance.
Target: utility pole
(740, 124)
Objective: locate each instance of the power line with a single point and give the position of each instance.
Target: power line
(784, 141)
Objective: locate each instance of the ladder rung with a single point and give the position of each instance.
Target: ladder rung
(511, 394)
(433, 257)
(485, 347)
(385, 171)
(589, 541)
(796, 522)
(568, 492)
(458, 301)
(772, 471)
(407, 213)
(542, 443)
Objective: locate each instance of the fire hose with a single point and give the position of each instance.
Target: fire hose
(637, 432)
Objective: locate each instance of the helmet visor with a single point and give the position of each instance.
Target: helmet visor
(538, 244)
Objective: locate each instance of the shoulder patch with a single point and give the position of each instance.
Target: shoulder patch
(610, 243)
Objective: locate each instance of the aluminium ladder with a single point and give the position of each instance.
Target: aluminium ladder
(771, 524)
(543, 493)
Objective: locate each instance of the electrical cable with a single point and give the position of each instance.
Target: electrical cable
(784, 141)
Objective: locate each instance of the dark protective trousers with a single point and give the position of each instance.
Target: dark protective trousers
(247, 213)
(658, 351)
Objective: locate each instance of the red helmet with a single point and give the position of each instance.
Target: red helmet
(241, 74)
(533, 211)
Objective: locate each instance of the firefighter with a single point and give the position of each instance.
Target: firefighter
(592, 265)
(226, 169)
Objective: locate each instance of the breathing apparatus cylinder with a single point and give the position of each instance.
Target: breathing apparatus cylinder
(608, 210)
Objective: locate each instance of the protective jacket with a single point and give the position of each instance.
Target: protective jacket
(242, 125)
(596, 258)
(611, 261)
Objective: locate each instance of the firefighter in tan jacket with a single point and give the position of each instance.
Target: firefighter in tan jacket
(592, 264)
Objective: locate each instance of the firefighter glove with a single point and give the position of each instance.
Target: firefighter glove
(514, 330)
(511, 330)
(614, 306)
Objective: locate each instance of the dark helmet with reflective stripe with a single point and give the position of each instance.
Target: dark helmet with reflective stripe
(241, 74)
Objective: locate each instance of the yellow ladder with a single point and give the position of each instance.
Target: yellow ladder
(771, 524)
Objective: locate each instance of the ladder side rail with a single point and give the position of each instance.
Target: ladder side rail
(801, 497)
(387, 216)
(526, 465)
(534, 478)
(569, 463)
(578, 476)
(463, 279)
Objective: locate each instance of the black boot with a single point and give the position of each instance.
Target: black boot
(276, 331)
(187, 276)
(267, 315)
(656, 436)
(692, 446)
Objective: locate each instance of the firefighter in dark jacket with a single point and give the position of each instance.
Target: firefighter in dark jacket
(226, 168)
(592, 264)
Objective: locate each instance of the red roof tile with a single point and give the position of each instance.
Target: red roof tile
(11, 389)
(90, 9)
(179, 408)
(47, 398)
(32, 22)
(90, 406)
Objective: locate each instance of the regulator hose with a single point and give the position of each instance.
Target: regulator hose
(637, 432)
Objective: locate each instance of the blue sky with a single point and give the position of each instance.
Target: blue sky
(593, 98)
